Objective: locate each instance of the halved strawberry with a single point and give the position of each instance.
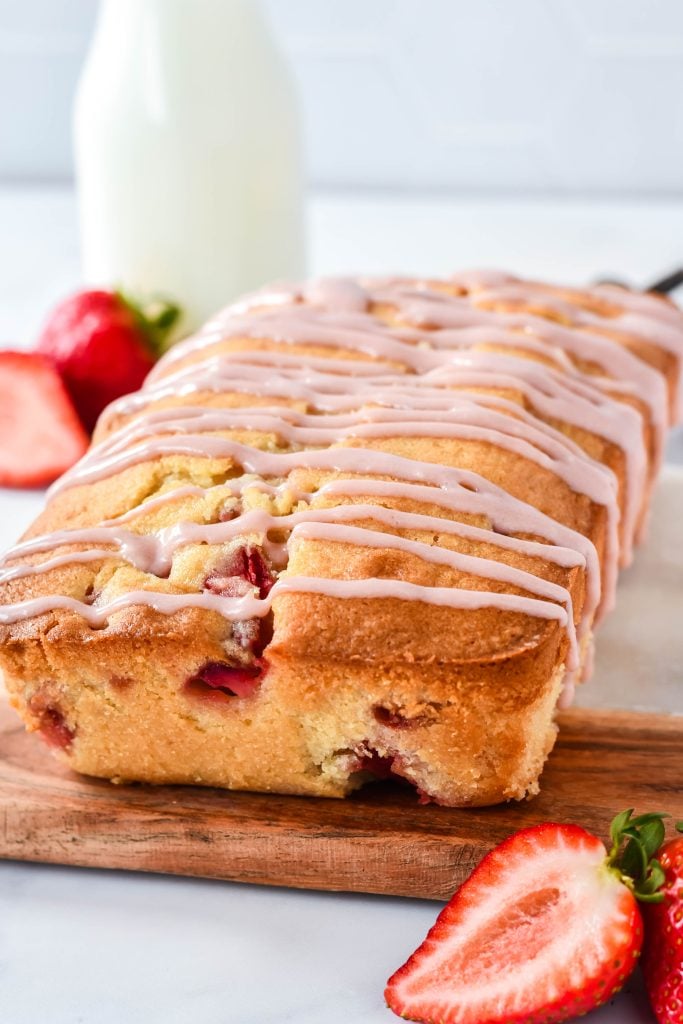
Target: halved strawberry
(41, 435)
(663, 952)
(546, 928)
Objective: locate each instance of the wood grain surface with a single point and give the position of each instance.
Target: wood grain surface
(379, 841)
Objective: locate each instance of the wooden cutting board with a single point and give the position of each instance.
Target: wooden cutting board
(379, 841)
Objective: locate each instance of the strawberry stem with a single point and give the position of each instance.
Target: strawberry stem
(635, 841)
(155, 319)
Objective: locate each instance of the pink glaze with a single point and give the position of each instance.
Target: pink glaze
(417, 301)
(249, 565)
(518, 515)
(455, 560)
(436, 309)
(139, 549)
(248, 607)
(21, 571)
(472, 420)
(152, 504)
(341, 293)
(451, 488)
(598, 483)
(211, 374)
(610, 354)
(554, 394)
(639, 317)
(398, 382)
(641, 302)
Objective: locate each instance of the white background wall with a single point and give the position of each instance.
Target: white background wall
(550, 96)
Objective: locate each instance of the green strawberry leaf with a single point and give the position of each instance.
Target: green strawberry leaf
(655, 897)
(155, 319)
(635, 841)
(652, 835)
(619, 823)
(633, 861)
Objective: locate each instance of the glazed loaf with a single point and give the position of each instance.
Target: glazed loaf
(352, 529)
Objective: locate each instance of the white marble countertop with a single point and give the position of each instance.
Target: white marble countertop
(92, 947)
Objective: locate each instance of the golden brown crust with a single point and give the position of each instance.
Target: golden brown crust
(459, 701)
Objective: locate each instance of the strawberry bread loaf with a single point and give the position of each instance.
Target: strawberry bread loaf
(352, 529)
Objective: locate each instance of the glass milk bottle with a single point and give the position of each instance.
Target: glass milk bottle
(187, 153)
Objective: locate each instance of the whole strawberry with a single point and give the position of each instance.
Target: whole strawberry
(546, 928)
(663, 950)
(103, 346)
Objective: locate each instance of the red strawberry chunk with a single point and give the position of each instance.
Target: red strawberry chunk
(244, 570)
(40, 433)
(375, 764)
(54, 729)
(257, 572)
(245, 565)
(52, 724)
(386, 767)
(228, 513)
(382, 766)
(232, 680)
(542, 931)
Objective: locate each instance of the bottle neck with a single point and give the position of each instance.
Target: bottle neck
(119, 18)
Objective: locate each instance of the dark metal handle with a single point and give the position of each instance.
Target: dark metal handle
(667, 284)
(663, 286)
